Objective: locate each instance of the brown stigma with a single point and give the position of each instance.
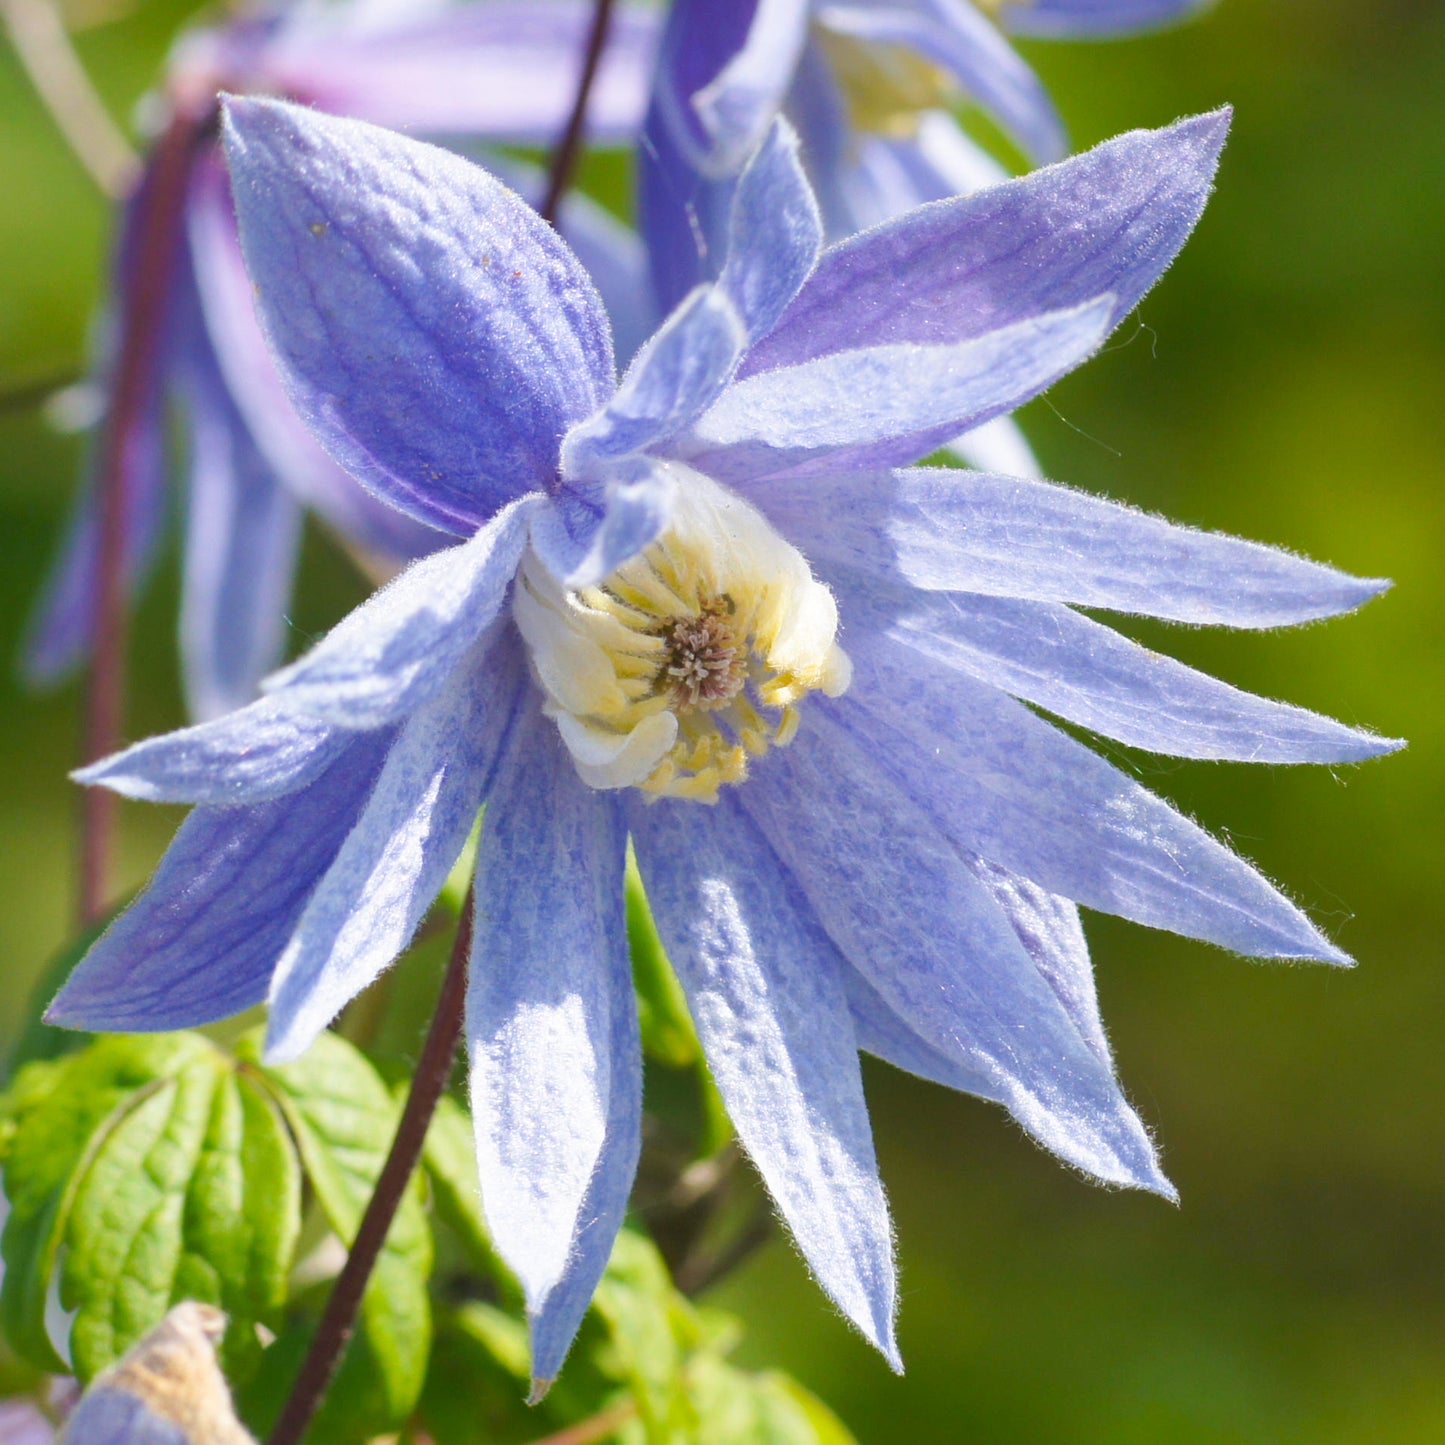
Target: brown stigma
(704, 663)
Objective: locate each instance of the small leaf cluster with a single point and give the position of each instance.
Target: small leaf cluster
(144, 1170)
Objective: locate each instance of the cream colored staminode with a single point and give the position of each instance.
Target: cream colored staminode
(885, 87)
(689, 660)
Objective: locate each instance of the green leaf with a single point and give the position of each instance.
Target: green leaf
(735, 1407)
(343, 1120)
(667, 1032)
(65, 1114)
(451, 1163)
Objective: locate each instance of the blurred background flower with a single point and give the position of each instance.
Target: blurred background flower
(1282, 383)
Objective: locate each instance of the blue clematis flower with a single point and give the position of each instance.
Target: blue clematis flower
(868, 84)
(471, 72)
(715, 609)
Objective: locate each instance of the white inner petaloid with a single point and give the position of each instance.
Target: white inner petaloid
(691, 659)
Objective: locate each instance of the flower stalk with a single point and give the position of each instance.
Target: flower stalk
(142, 324)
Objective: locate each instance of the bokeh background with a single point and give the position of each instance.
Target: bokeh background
(1286, 381)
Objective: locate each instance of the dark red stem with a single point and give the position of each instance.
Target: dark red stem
(433, 1070)
(569, 146)
(143, 307)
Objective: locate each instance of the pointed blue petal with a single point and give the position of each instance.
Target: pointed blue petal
(1110, 220)
(887, 404)
(1087, 673)
(243, 530)
(1015, 790)
(400, 648)
(201, 941)
(395, 860)
(435, 333)
(256, 753)
(912, 918)
(774, 232)
(676, 376)
(552, 1031)
(954, 35)
(588, 531)
(958, 531)
(765, 992)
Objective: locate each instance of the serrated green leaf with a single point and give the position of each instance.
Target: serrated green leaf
(66, 1115)
(451, 1162)
(126, 1232)
(343, 1120)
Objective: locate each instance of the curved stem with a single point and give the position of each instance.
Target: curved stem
(569, 147)
(432, 1072)
(44, 49)
(143, 304)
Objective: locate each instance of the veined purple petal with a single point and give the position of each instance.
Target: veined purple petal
(552, 1031)
(886, 404)
(1109, 220)
(912, 918)
(1085, 672)
(435, 333)
(401, 647)
(1014, 790)
(954, 35)
(201, 941)
(775, 232)
(765, 991)
(1083, 19)
(720, 89)
(504, 70)
(589, 530)
(249, 756)
(227, 299)
(676, 376)
(395, 860)
(955, 531)
(243, 530)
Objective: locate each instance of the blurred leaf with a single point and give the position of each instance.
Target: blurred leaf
(734, 1407)
(477, 1383)
(450, 1159)
(37, 1039)
(343, 1120)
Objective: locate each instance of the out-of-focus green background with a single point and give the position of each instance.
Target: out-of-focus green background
(1287, 382)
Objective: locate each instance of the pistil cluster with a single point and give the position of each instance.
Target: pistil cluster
(690, 660)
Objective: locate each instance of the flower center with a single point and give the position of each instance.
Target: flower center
(884, 86)
(691, 659)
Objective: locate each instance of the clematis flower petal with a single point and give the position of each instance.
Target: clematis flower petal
(227, 300)
(243, 531)
(201, 941)
(1110, 220)
(954, 35)
(1081, 19)
(434, 331)
(258, 752)
(1087, 673)
(552, 1030)
(766, 997)
(395, 860)
(398, 649)
(489, 69)
(931, 940)
(676, 376)
(886, 404)
(774, 232)
(958, 531)
(1018, 792)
